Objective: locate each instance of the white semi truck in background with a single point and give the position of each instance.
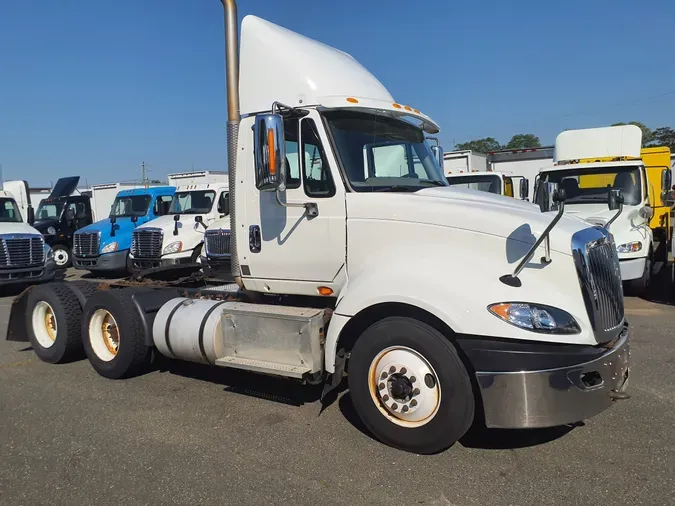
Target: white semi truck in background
(177, 238)
(512, 317)
(526, 163)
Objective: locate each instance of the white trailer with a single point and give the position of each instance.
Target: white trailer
(461, 162)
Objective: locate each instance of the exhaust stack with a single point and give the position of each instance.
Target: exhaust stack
(233, 118)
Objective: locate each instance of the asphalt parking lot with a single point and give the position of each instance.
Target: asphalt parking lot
(187, 434)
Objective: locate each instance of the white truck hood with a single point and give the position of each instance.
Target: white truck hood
(17, 228)
(625, 227)
(471, 210)
(189, 232)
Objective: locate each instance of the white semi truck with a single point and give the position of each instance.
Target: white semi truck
(177, 238)
(442, 307)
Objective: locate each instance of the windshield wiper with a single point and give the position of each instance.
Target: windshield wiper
(398, 188)
(435, 183)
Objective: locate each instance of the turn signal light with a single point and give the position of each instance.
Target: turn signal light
(324, 290)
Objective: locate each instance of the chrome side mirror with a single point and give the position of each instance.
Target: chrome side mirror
(270, 152)
(437, 150)
(524, 188)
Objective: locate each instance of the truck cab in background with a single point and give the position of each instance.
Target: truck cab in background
(498, 183)
(589, 165)
(104, 246)
(177, 238)
(24, 256)
(60, 215)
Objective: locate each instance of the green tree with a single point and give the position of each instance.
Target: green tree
(664, 136)
(522, 141)
(647, 134)
(486, 145)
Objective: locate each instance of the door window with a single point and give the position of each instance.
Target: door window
(292, 159)
(223, 203)
(162, 204)
(318, 181)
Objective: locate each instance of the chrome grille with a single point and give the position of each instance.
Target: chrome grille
(599, 273)
(147, 243)
(22, 251)
(218, 243)
(86, 244)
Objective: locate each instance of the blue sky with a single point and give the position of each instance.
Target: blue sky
(94, 88)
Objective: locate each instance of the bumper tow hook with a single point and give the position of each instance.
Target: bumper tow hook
(618, 396)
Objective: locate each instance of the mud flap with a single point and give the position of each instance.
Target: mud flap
(329, 393)
(16, 330)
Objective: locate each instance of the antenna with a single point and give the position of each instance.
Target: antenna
(144, 179)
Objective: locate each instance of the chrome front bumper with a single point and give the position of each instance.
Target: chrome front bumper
(550, 397)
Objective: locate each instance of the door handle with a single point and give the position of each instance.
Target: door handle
(254, 238)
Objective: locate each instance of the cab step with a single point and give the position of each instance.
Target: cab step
(290, 371)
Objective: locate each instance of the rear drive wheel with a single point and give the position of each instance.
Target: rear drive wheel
(53, 323)
(638, 287)
(409, 386)
(113, 335)
(62, 257)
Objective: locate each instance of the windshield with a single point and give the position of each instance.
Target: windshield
(136, 205)
(192, 202)
(8, 211)
(378, 153)
(49, 210)
(590, 185)
(485, 183)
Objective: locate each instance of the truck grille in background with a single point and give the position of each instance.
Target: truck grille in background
(21, 251)
(600, 276)
(147, 243)
(218, 243)
(86, 244)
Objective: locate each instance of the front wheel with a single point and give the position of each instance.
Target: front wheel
(62, 257)
(409, 386)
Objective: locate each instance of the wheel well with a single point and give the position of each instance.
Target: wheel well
(366, 317)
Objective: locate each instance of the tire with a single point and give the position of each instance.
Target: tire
(125, 354)
(53, 319)
(638, 287)
(196, 254)
(414, 343)
(62, 256)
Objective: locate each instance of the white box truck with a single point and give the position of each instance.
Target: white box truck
(442, 307)
(526, 163)
(461, 162)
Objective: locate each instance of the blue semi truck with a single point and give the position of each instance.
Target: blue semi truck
(104, 245)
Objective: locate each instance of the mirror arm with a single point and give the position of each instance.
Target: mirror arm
(311, 208)
(615, 216)
(512, 279)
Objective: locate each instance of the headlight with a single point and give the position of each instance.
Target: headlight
(51, 231)
(536, 317)
(49, 253)
(174, 247)
(109, 248)
(629, 247)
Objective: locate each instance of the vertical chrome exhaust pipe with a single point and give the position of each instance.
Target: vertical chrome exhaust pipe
(233, 118)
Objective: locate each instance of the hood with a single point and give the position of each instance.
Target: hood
(17, 228)
(123, 230)
(624, 227)
(64, 187)
(223, 223)
(465, 209)
(189, 232)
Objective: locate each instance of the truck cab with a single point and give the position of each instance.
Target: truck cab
(498, 183)
(589, 165)
(24, 255)
(177, 237)
(60, 215)
(104, 245)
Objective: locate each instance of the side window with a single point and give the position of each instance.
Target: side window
(292, 161)
(224, 203)
(316, 174)
(162, 204)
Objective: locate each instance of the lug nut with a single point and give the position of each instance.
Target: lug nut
(392, 370)
(403, 370)
(384, 375)
(385, 397)
(394, 406)
(416, 391)
(404, 409)
(413, 403)
(381, 386)
(413, 379)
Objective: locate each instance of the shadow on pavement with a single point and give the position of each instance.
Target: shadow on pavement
(247, 383)
(661, 290)
(509, 439)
